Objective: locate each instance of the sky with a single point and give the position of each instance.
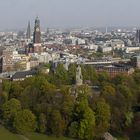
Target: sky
(15, 14)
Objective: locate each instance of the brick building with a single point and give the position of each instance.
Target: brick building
(7, 61)
(114, 70)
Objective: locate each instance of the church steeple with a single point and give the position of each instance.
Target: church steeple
(28, 33)
(37, 32)
(36, 46)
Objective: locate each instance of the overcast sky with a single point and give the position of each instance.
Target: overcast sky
(69, 13)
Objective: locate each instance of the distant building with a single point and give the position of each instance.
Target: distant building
(44, 57)
(7, 61)
(106, 49)
(22, 75)
(37, 32)
(29, 48)
(117, 44)
(132, 49)
(28, 33)
(36, 46)
(33, 63)
(37, 37)
(114, 70)
(135, 61)
(138, 36)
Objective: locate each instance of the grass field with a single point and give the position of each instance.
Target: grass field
(36, 136)
(6, 135)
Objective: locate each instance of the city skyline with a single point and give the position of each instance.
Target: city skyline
(63, 13)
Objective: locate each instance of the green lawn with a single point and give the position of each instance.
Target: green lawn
(6, 135)
(36, 136)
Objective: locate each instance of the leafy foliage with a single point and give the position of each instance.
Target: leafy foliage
(24, 121)
(51, 104)
(10, 109)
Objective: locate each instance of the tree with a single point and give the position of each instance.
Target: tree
(129, 117)
(3, 97)
(6, 85)
(72, 74)
(87, 125)
(83, 92)
(61, 75)
(136, 77)
(42, 123)
(10, 109)
(126, 94)
(56, 123)
(135, 124)
(103, 77)
(73, 130)
(125, 91)
(103, 116)
(83, 124)
(67, 105)
(89, 74)
(117, 122)
(15, 90)
(122, 79)
(83, 117)
(93, 77)
(37, 91)
(108, 90)
(24, 121)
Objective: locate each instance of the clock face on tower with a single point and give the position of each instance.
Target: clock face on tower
(37, 33)
(37, 29)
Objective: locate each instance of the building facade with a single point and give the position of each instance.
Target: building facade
(7, 61)
(135, 61)
(138, 36)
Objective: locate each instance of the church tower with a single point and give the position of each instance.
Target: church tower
(28, 33)
(37, 32)
(37, 37)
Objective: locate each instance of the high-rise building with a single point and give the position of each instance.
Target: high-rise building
(37, 32)
(138, 36)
